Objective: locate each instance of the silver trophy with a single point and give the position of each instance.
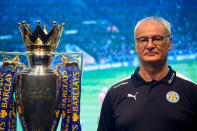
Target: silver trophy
(38, 85)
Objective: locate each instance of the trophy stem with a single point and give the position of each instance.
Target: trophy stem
(40, 61)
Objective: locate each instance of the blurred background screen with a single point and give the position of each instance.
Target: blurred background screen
(103, 31)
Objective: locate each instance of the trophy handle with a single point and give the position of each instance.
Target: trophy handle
(14, 62)
(72, 61)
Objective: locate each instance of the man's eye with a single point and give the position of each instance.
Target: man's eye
(158, 38)
(142, 40)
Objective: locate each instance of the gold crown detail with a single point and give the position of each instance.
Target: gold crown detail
(41, 39)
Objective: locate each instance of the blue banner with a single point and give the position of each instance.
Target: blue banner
(7, 104)
(70, 98)
(75, 99)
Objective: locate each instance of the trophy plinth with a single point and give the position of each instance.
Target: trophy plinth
(38, 89)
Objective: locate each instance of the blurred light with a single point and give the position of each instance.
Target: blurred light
(70, 32)
(88, 22)
(5, 37)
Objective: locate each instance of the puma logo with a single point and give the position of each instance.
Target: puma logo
(133, 96)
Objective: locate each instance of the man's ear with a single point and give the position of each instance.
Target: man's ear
(170, 44)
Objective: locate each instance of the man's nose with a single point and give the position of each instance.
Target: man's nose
(150, 44)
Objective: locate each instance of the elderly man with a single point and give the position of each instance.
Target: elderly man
(154, 98)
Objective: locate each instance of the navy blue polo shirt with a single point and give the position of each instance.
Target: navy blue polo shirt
(136, 105)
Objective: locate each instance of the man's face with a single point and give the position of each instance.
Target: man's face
(152, 43)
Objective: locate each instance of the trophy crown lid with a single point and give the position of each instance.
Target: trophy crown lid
(40, 39)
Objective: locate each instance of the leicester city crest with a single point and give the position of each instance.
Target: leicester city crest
(172, 97)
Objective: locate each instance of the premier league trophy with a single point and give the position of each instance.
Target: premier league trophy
(42, 94)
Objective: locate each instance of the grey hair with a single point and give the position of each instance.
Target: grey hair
(153, 18)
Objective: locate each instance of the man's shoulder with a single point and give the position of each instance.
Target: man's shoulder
(122, 83)
(186, 84)
(188, 87)
(120, 89)
(186, 80)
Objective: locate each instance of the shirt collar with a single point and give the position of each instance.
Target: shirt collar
(138, 81)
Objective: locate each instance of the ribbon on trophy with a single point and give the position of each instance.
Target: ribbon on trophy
(19, 108)
(61, 106)
(69, 101)
(75, 99)
(7, 104)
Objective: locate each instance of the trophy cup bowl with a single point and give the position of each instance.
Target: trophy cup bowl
(38, 91)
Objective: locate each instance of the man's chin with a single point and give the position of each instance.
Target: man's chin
(152, 61)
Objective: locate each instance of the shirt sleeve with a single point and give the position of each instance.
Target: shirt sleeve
(106, 121)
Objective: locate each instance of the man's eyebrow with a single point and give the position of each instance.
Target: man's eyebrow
(150, 37)
(142, 37)
(157, 36)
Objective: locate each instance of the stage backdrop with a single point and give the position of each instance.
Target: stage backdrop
(103, 31)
